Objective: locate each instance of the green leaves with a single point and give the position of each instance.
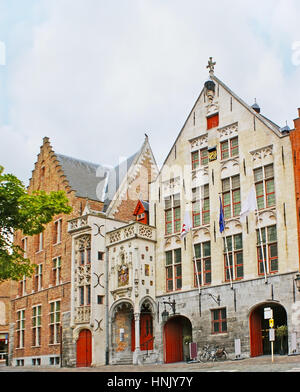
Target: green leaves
(27, 212)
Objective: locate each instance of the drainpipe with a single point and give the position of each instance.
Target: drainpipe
(106, 308)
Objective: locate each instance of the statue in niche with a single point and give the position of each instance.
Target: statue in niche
(123, 276)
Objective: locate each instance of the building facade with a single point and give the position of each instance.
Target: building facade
(118, 281)
(221, 281)
(44, 312)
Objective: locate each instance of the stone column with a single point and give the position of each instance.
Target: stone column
(137, 351)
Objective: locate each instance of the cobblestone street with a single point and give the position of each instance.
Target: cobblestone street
(259, 364)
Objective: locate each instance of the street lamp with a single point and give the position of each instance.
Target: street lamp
(297, 281)
(165, 313)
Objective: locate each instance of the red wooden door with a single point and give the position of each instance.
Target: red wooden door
(84, 349)
(146, 335)
(256, 344)
(173, 349)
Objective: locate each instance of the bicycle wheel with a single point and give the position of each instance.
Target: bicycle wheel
(204, 357)
(222, 357)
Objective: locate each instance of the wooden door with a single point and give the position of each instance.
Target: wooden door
(146, 334)
(84, 349)
(256, 344)
(173, 345)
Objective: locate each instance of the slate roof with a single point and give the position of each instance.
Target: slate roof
(92, 180)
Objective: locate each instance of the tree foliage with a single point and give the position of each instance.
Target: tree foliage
(29, 213)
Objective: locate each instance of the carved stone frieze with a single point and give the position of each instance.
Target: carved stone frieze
(228, 131)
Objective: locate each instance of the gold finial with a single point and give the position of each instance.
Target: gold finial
(211, 66)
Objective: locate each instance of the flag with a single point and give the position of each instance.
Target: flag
(221, 218)
(250, 204)
(187, 224)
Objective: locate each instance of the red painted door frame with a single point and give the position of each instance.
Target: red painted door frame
(84, 349)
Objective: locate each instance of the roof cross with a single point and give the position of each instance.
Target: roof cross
(211, 66)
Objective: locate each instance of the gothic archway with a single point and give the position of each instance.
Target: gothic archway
(175, 330)
(259, 330)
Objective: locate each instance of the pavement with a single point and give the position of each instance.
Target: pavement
(282, 363)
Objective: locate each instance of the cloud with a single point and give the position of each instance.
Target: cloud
(97, 75)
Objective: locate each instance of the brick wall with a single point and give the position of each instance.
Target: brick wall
(295, 140)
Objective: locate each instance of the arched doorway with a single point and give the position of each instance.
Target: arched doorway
(259, 330)
(175, 330)
(146, 328)
(84, 349)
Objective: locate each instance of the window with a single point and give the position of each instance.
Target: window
(24, 247)
(201, 209)
(100, 255)
(57, 231)
(22, 287)
(265, 188)
(56, 271)
(173, 270)
(172, 214)
(85, 256)
(39, 239)
(199, 158)
(20, 328)
(203, 260)
(85, 295)
(230, 148)
(231, 196)
(100, 299)
(219, 321)
(233, 255)
(267, 250)
(213, 121)
(54, 324)
(38, 277)
(36, 325)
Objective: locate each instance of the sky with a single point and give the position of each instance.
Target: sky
(96, 75)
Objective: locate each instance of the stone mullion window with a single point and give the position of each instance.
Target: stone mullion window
(233, 255)
(172, 214)
(230, 148)
(203, 260)
(36, 325)
(231, 194)
(268, 245)
(219, 321)
(265, 186)
(54, 324)
(20, 328)
(56, 271)
(173, 270)
(201, 206)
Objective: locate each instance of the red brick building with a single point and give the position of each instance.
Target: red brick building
(295, 140)
(40, 306)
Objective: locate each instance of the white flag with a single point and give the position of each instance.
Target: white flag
(250, 204)
(187, 224)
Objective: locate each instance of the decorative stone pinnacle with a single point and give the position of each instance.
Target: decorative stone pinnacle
(211, 66)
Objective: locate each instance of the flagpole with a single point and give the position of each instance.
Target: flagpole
(196, 270)
(227, 258)
(261, 246)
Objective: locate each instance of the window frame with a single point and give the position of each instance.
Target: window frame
(234, 265)
(235, 207)
(54, 326)
(172, 222)
(202, 269)
(36, 325)
(21, 326)
(172, 266)
(267, 244)
(264, 181)
(218, 321)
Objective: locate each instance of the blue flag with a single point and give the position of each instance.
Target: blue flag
(221, 218)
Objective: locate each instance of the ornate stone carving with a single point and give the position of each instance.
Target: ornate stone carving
(199, 143)
(228, 131)
(262, 153)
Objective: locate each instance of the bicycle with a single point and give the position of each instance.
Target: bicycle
(206, 354)
(213, 354)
